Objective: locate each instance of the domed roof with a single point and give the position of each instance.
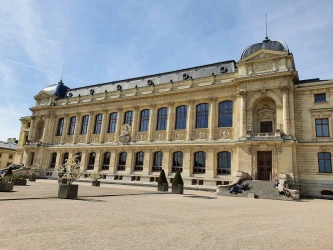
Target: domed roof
(266, 44)
(58, 89)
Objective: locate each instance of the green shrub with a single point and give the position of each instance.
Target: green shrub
(177, 179)
(162, 178)
(9, 172)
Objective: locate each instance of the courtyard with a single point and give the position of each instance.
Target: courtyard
(131, 217)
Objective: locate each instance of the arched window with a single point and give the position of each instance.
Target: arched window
(324, 162)
(224, 163)
(144, 120)
(84, 125)
(60, 126)
(128, 118)
(91, 162)
(98, 124)
(157, 164)
(122, 161)
(177, 162)
(72, 122)
(106, 161)
(53, 160)
(112, 123)
(78, 157)
(162, 118)
(181, 116)
(225, 114)
(202, 116)
(139, 161)
(65, 158)
(199, 166)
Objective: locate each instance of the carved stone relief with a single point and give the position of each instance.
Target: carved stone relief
(263, 146)
(141, 136)
(57, 139)
(125, 133)
(109, 137)
(159, 135)
(179, 135)
(224, 133)
(81, 138)
(94, 138)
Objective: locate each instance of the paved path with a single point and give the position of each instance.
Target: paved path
(127, 217)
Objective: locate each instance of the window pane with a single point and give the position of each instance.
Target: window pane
(84, 126)
(128, 118)
(162, 117)
(98, 124)
(144, 121)
(181, 116)
(112, 123)
(60, 127)
(318, 131)
(225, 114)
(202, 116)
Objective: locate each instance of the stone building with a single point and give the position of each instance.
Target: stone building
(7, 152)
(209, 122)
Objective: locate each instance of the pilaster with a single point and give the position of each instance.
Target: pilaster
(104, 125)
(212, 115)
(152, 121)
(91, 123)
(65, 128)
(170, 121)
(189, 121)
(134, 123)
(119, 123)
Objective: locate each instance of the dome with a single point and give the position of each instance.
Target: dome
(58, 89)
(265, 44)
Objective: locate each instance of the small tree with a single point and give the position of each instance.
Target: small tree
(162, 178)
(162, 184)
(95, 176)
(177, 184)
(70, 171)
(177, 179)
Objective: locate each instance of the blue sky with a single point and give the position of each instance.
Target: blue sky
(103, 40)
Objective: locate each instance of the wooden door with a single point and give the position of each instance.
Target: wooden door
(264, 165)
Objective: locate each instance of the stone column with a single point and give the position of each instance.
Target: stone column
(31, 130)
(129, 162)
(113, 161)
(285, 107)
(58, 160)
(166, 161)
(152, 122)
(119, 123)
(189, 121)
(77, 127)
(242, 114)
(135, 123)
(104, 125)
(65, 129)
(187, 163)
(83, 160)
(91, 124)
(97, 165)
(147, 162)
(210, 155)
(212, 118)
(170, 122)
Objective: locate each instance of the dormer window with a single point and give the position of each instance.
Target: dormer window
(320, 97)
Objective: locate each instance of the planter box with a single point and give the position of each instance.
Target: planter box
(6, 187)
(68, 191)
(19, 182)
(162, 187)
(32, 178)
(62, 181)
(96, 183)
(177, 188)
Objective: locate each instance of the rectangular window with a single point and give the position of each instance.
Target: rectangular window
(322, 127)
(266, 127)
(112, 123)
(320, 97)
(144, 120)
(324, 162)
(10, 157)
(162, 117)
(181, 115)
(84, 126)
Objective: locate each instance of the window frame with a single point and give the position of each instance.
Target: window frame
(325, 159)
(225, 114)
(157, 161)
(177, 161)
(321, 127)
(121, 160)
(162, 118)
(60, 128)
(202, 115)
(139, 161)
(181, 117)
(319, 95)
(91, 161)
(84, 125)
(199, 158)
(112, 122)
(98, 124)
(106, 161)
(65, 158)
(222, 158)
(71, 128)
(144, 120)
(53, 160)
(128, 117)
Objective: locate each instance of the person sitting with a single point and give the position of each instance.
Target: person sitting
(276, 185)
(234, 189)
(245, 186)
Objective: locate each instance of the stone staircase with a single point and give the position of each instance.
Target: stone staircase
(261, 189)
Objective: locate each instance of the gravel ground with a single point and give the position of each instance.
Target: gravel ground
(127, 217)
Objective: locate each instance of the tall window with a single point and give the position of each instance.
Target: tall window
(106, 161)
(65, 158)
(162, 117)
(324, 162)
(122, 161)
(139, 161)
(157, 165)
(53, 160)
(322, 127)
(181, 115)
(72, 122)
(78, 157)
(91, 162)
(112, 123)
(60, 126)
(144, 120)
(199, 166)
(224, 163)
(177, 161)
(225, 114)
(202, 116)
(98, 124)
(128, 118)
(84, 126)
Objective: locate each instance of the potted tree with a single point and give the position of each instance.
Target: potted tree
(70, 173)
(61, 172)
(5, 186)
(162, 182)
(177, 184)
(33, 173)
(95, 176)
(19, 180)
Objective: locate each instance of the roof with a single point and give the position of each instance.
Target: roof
(156, 79)
(58, 89)
(265, 44)
(8, 145)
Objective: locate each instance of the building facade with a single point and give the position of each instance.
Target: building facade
(7, 152)
(209, 122)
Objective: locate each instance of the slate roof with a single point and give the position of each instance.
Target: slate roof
(265, 44)
(143, 81)
(8, 145)
(58, 89)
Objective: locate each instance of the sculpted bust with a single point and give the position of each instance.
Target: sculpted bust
(125, 133)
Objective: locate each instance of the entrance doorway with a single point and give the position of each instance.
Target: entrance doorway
(264, 165)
